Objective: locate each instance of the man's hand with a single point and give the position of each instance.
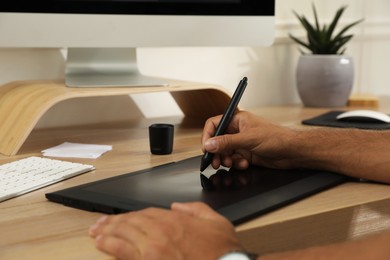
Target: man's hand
(248, 140)
(187, 231)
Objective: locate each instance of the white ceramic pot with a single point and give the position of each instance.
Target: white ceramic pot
(325, 80)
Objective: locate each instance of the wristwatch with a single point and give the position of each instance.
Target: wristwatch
(238, 255)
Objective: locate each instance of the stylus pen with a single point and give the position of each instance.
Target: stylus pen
(225, 121)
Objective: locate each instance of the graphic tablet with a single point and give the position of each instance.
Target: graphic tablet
(245, 195)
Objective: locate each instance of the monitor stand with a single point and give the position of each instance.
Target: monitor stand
(105, 67)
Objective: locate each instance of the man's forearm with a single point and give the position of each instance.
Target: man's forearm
(357, 153)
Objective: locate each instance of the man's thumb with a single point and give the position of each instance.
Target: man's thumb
(222, 143)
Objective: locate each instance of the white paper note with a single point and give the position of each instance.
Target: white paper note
(76, 150)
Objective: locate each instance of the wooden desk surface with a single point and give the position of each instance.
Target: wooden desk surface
(33, 228)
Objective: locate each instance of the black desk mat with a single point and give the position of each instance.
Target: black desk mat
(329, 119)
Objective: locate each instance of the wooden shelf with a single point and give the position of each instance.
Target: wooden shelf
(23, 103)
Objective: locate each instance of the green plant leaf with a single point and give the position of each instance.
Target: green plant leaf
(316, 17)
(314, 44)
(306, 24)
(335, 20)
(304, 44)
(320, 40)
(347, 27)
(337, 45)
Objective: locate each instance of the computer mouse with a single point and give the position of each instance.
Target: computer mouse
(360, 116)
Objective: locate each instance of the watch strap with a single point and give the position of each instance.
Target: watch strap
(239, 254)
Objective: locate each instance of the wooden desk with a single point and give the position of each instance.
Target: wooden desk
(33, 228)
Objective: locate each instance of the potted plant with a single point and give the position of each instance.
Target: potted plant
(324, 74)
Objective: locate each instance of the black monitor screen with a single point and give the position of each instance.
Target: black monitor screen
(162, 7)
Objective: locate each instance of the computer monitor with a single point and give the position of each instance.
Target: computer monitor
(101, 36)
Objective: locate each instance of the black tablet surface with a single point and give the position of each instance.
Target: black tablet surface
(238, 195)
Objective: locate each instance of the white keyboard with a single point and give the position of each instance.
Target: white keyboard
(25, 175)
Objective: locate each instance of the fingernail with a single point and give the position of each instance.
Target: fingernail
(210, 144)
(101, 219)
(94, 227)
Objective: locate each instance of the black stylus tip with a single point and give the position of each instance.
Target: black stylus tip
(206, 161)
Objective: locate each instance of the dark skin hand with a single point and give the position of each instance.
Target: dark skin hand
(166, 234)
(245, 144)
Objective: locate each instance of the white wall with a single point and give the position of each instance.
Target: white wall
(271, 70)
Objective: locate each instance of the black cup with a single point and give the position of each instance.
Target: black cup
(161, 138)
